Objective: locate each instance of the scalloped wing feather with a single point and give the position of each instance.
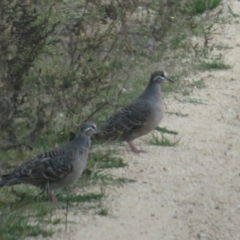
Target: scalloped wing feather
(127, 119)
(49, 167)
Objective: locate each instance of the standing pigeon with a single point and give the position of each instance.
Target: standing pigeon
(56, 168)
(137, 118)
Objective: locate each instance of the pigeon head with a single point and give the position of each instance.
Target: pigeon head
(159, 77)
(88, 128)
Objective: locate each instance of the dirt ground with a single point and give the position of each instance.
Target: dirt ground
(191, 191)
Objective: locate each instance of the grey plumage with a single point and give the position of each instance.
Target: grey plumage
(56, 168)
(137, 118)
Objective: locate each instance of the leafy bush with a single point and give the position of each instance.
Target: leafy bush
(24, 35)
(62, 63)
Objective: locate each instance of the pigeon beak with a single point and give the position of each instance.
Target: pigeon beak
(96, 131)
(167, 79)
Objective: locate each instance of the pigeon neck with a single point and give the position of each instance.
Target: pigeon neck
(153, 89)
(82, 139)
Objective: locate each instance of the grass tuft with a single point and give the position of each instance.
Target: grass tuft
(199, 84)
(123, 180)
(23, 215)
(105, 160)
(232, 12)
(191, 100)
(165, 130)
(99, 176)
(164, 141)
(213, 65)
(15, 226)
(103, 212)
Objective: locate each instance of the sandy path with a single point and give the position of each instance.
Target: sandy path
(191, 191)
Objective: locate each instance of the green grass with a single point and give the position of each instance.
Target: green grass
(232, 12)
(56, 221)
(178, 41)
(179, 114)
(164, 141)
(23, 214)
(15, 226)
(122, 180)
(103, 159)
(200, 6)
(95, 177)
(26, 216)
(165, 130)
(214, 64)
(103, 212)
(191, 100)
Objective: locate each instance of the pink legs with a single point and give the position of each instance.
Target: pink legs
(134, 149)
(51, 196)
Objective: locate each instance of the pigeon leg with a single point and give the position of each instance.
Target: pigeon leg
(52, 197)
(134, 149)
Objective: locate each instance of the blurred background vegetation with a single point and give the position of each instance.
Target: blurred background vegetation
(63, 62)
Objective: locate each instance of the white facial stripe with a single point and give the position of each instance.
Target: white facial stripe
(87, 129)
(156, 78)
(90, 129)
